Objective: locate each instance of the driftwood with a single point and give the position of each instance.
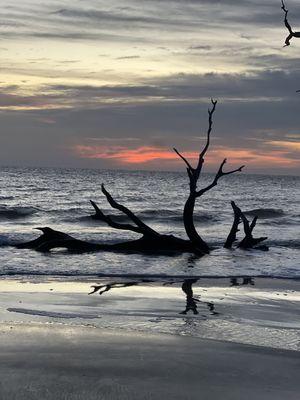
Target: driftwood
(249, 241)
(152, 241)
(193, 175)
(52, 239)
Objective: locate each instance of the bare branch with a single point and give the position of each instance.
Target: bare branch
(184, 159)
(210, 124)
(288, 26)
(249, 241)
(253, 223)
(109, 221)
(196, 171)
(219, 175)
(286, 22)
(145, 229)
(247, 229)
(231, 238)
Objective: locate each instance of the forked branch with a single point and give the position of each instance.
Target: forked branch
(194, 173)
(219, 175)
(210, 124)
(184, 160)
(249, 241)
(109, 221)
(140, 227)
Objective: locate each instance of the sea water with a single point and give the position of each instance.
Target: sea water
(59, 198)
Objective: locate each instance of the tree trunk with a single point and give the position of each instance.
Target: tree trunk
(188, 219)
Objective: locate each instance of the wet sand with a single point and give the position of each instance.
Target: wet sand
(56, 342)
(58, 362)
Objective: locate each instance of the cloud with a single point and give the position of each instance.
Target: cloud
(200, 47)
(140, 155)
(128, 57)
(255, 86)
(90, 20)
(191, 50)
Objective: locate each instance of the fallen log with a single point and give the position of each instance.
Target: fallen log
(52, 239)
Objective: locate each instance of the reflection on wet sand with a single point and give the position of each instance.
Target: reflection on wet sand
(108, 286)
(192, 302)
(230, 309)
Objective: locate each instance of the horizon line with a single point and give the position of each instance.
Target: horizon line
(244, 172)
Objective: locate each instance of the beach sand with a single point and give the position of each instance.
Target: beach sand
(58, 362)
(58, 343)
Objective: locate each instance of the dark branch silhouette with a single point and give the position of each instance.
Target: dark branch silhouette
(249, 241)
(288, 26)
(231, 238)
(162, 244)
(194, 174)
(107, 287)
(140, 226)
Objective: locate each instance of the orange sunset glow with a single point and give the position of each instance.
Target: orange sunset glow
(145, 154)
(140, 155)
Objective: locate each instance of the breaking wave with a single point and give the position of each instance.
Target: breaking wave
(16, 212)
(265, 213)
(162, 216)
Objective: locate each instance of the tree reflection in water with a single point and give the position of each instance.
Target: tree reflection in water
(187, 287)
(191, 301)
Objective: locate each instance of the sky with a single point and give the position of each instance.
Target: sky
(118, 84)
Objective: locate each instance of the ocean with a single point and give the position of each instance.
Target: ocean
(59, 198)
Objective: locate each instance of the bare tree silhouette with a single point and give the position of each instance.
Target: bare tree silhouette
(152, 241)
(288, 26)
(194, 174)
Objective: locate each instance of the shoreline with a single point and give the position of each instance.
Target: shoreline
(218, 279)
